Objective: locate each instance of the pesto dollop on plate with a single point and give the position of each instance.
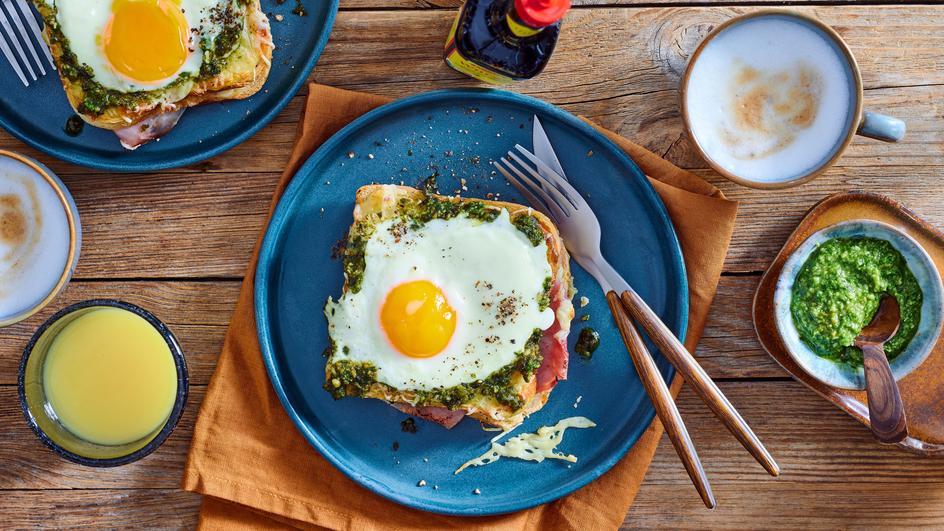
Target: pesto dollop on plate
(837, 291)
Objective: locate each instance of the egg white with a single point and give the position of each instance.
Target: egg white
(83, 22)
(476, 265)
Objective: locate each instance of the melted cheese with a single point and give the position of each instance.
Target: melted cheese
(536, 446)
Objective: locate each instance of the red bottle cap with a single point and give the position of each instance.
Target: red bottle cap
(541, 13)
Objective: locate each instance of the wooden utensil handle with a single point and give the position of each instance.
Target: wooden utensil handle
(697, 378)
(662, 399)
(886, 412)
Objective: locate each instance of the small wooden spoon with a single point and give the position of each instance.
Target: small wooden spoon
(886, 413)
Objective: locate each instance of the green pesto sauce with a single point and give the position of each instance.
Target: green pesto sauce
(430, 208)
(355, 260)
(348, 378)
(531, 228)
(837, 292)
(97, 98)
(587, 342)
(544, 299)
(215, 52)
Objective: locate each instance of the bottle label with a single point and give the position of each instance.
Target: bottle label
(456, 60)
(519, 29)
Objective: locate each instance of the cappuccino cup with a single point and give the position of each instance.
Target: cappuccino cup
(40, 237)
(772, 98)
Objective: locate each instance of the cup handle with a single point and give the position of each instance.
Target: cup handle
(881, 127)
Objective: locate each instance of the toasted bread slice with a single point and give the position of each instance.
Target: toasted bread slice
(246, 70)
(376, 203)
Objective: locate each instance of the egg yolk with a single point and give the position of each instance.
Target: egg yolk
(417, 319)
(146, 40)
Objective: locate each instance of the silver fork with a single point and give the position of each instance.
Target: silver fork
(550, 193)
(8, 38)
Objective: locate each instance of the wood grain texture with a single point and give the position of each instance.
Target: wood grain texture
(626, 80)
(100, 509)
(658, 391)
(729, 346)
(835, 475)
(169, 225)
(695, 376)
(824, 454)
(196, 312)
(28, 464)
(190, 232)
(886, 412)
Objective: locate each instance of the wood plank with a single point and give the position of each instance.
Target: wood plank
(28, 464)
(195, 223)
(766, 218)
(100, 509)
(626, 77)
(632, 51)
(169, 225)
(729, 347)
(197, 313)
(835, 475)
(190, 229)
(203, 221)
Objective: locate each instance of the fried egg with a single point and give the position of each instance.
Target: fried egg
(133, 45)
(444, 304)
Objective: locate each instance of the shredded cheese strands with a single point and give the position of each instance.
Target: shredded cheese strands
(536, 446)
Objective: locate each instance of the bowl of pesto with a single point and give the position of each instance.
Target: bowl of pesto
(830, 288)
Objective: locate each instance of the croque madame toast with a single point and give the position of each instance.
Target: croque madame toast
(376, 203)
(240, 73)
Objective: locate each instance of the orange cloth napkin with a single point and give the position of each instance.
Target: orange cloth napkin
(257, 472)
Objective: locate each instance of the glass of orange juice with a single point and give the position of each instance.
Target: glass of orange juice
(103, 382)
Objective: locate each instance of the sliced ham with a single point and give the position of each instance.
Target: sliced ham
(553, 346)
(148, 129)
(440, 415)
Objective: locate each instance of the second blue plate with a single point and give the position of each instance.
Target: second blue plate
(37, 114)
(455, 133)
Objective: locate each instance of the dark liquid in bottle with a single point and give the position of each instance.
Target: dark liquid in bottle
(484, 37)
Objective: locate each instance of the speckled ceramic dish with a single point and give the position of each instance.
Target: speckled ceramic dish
(922, 388)
(841, 374)
(37, 114)
(41, 418)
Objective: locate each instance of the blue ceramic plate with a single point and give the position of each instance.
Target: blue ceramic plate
(38, 113)
(455, 133)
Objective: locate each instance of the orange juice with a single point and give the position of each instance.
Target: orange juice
(110, 377)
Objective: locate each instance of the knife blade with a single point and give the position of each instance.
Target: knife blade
(606, 276)
(543, 150)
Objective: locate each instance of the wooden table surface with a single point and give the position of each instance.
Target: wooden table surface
(177, 242)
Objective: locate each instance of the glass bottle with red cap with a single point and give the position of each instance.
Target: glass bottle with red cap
(500, 41)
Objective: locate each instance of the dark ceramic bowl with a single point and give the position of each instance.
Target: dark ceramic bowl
(39, 414)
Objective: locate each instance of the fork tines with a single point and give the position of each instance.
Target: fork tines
(551, 195)
(12, 14)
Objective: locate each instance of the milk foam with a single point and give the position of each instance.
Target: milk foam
(769, 99)
(34, 238)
